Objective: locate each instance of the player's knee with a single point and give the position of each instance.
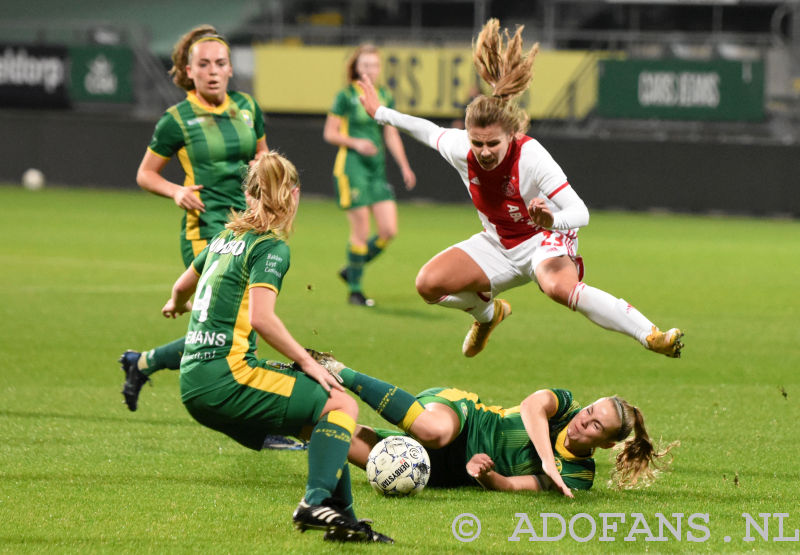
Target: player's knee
(427, 287)
(344, 403)
(432, 434)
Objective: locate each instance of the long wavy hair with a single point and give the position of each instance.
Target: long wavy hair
(181, 53)
(352, 61)
(505, 67)
(638, 461)
(269, 183)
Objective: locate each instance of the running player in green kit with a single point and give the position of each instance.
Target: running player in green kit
(547, 442)
(226, 387)
(214, 133)
(360, 169)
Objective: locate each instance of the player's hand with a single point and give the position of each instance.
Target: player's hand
(170, 310)
(186, 198)
(315, 371)
(365, 147)
(370, 97)
(540, 213)
(409, 178)
(550, 469)
(479, 464)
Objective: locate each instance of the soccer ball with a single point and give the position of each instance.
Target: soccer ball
(33, 179)
(398, 465)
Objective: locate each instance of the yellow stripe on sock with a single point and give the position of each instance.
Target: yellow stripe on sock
(413, 412)
(358, 249)
(342, 419)
(381, 243)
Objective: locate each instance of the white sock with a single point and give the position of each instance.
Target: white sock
(479, 305)
(609, 312)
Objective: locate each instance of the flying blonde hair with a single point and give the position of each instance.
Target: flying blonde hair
(508, 70)
(269, 182)
(638, 461)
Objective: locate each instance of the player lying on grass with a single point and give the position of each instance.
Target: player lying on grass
(547, 442)
(225, 387)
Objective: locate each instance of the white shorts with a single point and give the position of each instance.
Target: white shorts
(509, 268)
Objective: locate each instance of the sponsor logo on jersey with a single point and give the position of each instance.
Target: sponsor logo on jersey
(206, 338)
(558, 465)
(219, 245)
(475, 181)
(199, 120)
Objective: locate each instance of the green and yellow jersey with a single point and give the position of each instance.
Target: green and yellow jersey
(356, 122)
(214, 147)
(220, 342)
(500, 433)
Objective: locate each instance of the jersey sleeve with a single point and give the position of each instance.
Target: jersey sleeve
(167, 137)
(340, 103)
(200, 261)
(540, 175)
(258, 121)
(578, 474)
(269, 262)
(565, 402)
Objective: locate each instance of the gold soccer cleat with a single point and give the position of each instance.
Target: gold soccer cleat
(665, 342)
(478, 335)
(328, 362)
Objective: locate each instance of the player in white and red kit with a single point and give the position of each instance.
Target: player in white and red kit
(529, 211)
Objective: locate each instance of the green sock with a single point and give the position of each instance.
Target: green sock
(375, 246)
(327, 455)
(356, 258)
(344, 492)
(165, 356)
(395, 405)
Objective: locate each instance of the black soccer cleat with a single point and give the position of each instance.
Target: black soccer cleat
(369, 535)
(282, 443)
(134, 378)
(357, 298)
(327, 516)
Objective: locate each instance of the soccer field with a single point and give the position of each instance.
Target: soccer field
(84, 273)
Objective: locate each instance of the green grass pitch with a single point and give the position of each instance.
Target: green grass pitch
(83, 274)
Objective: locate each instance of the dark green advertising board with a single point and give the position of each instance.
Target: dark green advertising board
(679, 89)
(101, 74)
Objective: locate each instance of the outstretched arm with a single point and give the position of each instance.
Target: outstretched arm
(535, 410)
(421, 129)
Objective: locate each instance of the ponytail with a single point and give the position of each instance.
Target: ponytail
(639, 461)
(508, 70)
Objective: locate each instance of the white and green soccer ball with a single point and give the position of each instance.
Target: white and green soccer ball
(398, 465)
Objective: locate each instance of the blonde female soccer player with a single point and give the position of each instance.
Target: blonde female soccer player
(547, 442)
(226, 387)
(529, 211)
(360, 170)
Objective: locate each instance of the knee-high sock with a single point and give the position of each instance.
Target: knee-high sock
(166, 356)
(356, 258)
(344, 492)
(327, 455)
(609, 312)
(480, 305)
(395, 405)
(375, 246)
